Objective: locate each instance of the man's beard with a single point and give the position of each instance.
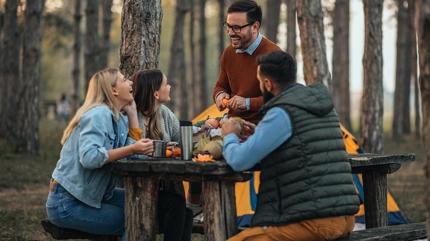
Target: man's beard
(267, 96)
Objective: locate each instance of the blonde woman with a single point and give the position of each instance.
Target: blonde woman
(82, 195)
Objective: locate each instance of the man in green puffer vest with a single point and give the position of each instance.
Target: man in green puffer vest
(306, 187)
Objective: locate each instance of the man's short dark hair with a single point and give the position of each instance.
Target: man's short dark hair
(251, 8)
(279, 66)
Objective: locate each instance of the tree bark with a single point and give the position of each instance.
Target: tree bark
(177, 67)
(10, 70)
(423, 32)
(403, 72)
(1, 69)
(310, 19)
(414, 74)
(106, 6)
(273, 8)
(91, 42)
(202, 92)
(140, 35)
(340, 62)
(27, 114)
(77, 45)
(291, 27)
(372, 103)
(221, 31)
(193, 70)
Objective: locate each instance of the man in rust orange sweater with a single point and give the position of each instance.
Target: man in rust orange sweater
(237, 81)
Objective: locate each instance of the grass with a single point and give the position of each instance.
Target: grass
(24, 184)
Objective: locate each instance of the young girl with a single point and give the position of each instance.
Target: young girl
(159, 123)
(83, 195)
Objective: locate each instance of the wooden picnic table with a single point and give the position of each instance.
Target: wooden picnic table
(374, 170)
(141, 190)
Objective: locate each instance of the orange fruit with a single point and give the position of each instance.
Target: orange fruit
(225, 101)
(177, 151)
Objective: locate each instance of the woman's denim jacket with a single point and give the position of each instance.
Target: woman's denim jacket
(86, 151)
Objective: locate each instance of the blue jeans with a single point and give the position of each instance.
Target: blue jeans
(66, 211)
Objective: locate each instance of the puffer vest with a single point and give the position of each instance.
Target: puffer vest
(308, 176)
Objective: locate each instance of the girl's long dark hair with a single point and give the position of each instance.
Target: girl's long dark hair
(145, 83)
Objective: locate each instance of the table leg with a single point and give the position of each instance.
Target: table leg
(141, 195)
(214, 221)
(229, 206)
(375, 199)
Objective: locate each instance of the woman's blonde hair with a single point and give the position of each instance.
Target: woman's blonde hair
(99, 92)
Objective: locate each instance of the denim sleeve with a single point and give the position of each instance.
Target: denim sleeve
(95, 137)
(273, 130)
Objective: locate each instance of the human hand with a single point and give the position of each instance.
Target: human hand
(231, 126)
(131, 112)
(219, 101)
(144, 146)
(247, 130)
(237, 103)
(130, 109)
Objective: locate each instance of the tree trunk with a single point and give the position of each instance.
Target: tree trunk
(372, 103)
(106, 6)
(1, 61)
(340, 62)
(273, 8)
(177, 68)
(27, 114)
(140, 35)
(77, 45)
(291, 27)
(423, 31)
(193, 70)
(414, 74)
(91, 42)
(403, 72)
(10, 72)
(202, 92)
(221, 30)
(310, 19)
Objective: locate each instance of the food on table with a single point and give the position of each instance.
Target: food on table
(203, 158)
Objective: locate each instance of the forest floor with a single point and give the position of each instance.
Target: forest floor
(24, 184)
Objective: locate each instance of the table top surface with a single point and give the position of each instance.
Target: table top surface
(221, 168)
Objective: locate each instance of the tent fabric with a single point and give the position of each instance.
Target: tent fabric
(246, 192)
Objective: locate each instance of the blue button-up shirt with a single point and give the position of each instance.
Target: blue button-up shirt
(86, 151)
(273, 130)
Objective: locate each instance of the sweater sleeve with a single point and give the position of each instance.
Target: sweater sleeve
(256, 103)
(222, 83)
(135, 133)
(171, 123)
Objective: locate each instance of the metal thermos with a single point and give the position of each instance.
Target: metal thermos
(186, 129)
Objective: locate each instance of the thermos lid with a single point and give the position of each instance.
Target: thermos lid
(185, 123)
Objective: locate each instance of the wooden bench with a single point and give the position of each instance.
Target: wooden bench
(65, 233)
(403, 232)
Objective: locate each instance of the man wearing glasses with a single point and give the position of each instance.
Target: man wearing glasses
(237, 81)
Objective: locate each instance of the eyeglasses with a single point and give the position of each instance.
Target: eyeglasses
(236, 28)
